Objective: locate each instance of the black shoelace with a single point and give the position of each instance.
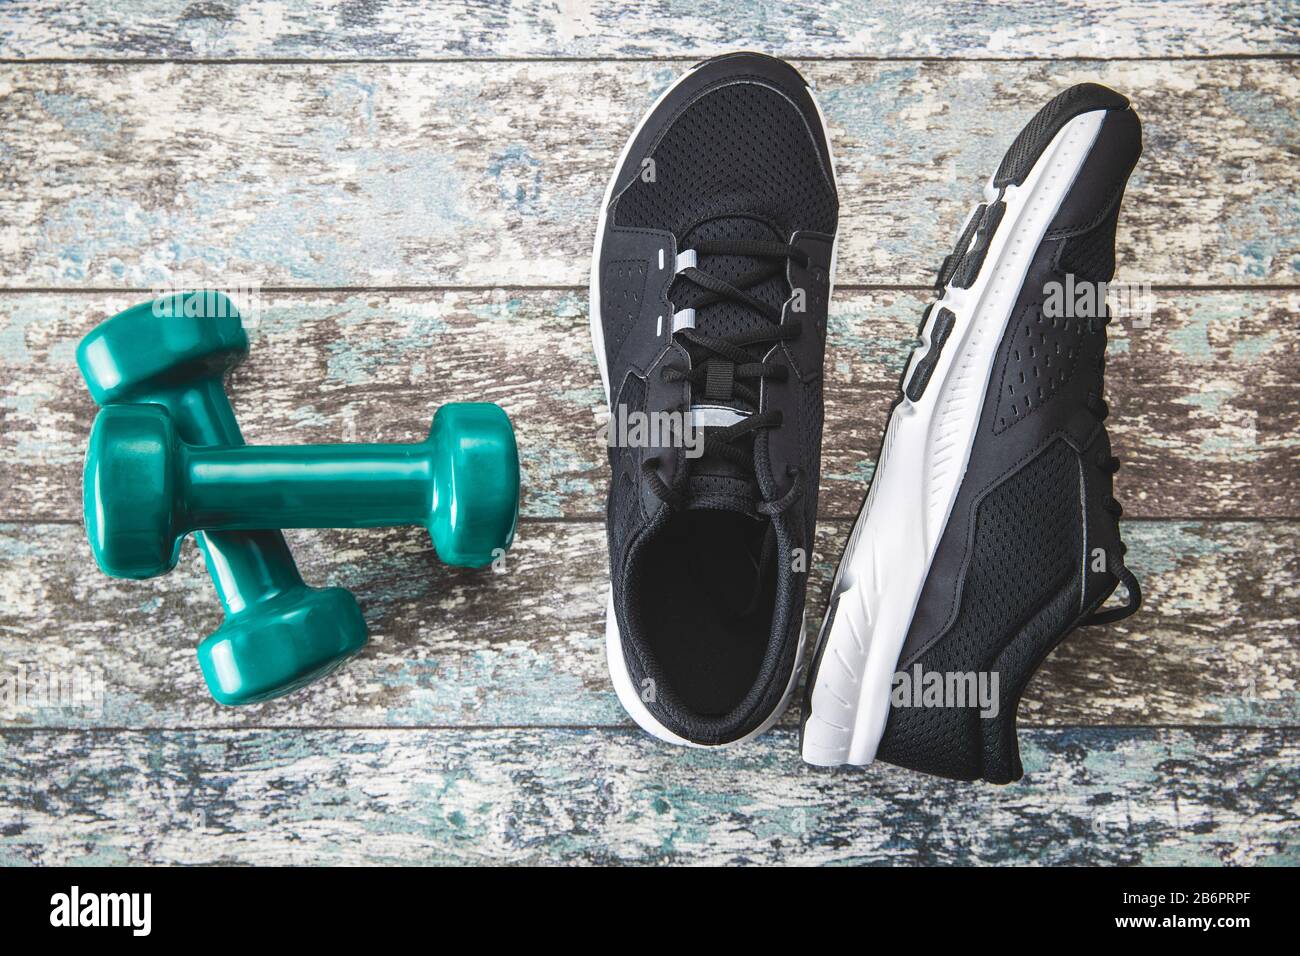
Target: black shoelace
(726, 366)
(1110, 465)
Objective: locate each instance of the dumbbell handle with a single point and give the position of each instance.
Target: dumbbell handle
(306, 486)
(246, 568)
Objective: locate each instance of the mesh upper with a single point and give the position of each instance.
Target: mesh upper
(740, 162)
(741, 148)
(1091, 255)
(729, 318)
(1045, 350)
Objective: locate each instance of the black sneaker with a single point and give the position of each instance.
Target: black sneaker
(709, 284)
(989, 532)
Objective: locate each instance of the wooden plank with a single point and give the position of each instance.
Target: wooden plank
(312, 29)
(383, 175)
(1215, 642)
(522, 796)
(1204, 399)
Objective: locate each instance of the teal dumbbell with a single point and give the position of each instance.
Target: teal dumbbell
(151, 488)
(279, 634)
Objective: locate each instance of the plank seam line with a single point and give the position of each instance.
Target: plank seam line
(452, 287)
(579, 728)
(590, 60)
(593, 519)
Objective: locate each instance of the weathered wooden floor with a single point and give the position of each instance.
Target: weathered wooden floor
(414, 187)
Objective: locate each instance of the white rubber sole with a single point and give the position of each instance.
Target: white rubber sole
(922, 462)
(628, 695)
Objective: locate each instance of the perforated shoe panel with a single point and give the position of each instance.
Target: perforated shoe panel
(742, 147)
(1042, 357)
(622, 288)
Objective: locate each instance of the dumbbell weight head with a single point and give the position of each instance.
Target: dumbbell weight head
(163, 345)
(296, 638)
(128, 491)
(475, 502)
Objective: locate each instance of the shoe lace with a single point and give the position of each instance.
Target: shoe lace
(1110, 465)
(725, 365)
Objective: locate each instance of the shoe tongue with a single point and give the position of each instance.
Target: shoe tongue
(719, 484)
(716, 492)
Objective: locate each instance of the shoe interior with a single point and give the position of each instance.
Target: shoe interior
(708, 586)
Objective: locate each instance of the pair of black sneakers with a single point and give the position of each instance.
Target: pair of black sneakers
(989, 531)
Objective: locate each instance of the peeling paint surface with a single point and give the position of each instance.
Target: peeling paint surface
(529, 796)
(600, 29)
(469, 173)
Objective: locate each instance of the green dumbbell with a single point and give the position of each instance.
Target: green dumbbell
(279, 634)
(151, 488)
